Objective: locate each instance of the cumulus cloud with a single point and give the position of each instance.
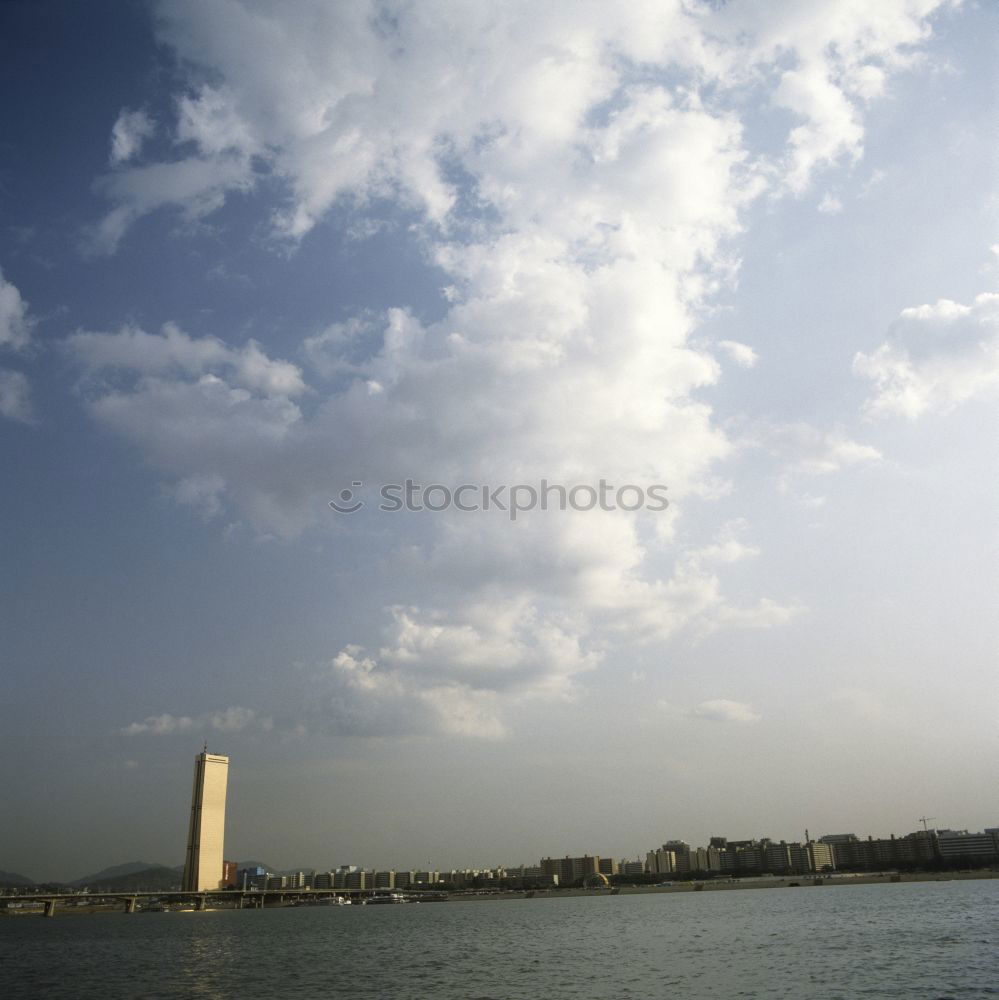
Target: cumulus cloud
(361, 99)
(15, 396)
(230, 720)
(130, 131)
(841, 55)
(830, 204)
(16, 325)
(935, 358)
(173, 352)
(724, 710)
(828, 452)
(195, 185)
(201, 492)
(360, 699)
(451, 672)
(742, 354)
(15, 322)
(579, 177)
(806, 451)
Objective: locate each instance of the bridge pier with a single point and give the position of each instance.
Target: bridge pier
(130, 905)
(199, 903)
(50, 907)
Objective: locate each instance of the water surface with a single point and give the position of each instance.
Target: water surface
(910, 940)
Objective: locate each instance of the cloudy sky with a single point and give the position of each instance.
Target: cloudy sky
(256, 254)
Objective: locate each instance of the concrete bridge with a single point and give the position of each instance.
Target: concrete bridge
(228, 898)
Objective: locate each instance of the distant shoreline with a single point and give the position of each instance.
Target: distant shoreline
(716, 885)
(710, 885)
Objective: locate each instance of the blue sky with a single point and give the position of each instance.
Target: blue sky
(251, 256)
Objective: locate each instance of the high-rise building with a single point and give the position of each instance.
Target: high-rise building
(203, 861)
(570, 870)
(660, 861)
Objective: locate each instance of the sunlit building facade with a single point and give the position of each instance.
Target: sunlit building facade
(203, 861)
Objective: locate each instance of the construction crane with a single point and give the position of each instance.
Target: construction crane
(924, 820)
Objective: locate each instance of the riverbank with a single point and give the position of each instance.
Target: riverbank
(27, 908)
(720, 885)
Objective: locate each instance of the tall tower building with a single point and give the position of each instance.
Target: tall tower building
(203, 861)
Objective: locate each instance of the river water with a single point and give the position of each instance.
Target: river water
(911, 940)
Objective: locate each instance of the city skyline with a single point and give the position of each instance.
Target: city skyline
(722, 279)
(204, 866)
(953, 838)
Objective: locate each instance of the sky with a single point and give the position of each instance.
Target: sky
(258, 257)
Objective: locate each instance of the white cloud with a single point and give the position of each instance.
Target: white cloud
(363, 100)
(15, 322)
(830, 204)
(130, 131)
(15, 396)
(840, 54)
(935, 358)
(456, 672)
(726, 548)
(724, 710)
(174, 352)
(766, 613)
(742, 354)
(605, 201)
(16, 325)
(358, 698)
(832, 451)
(218, 419)
(831, 127)
(805, 450)
(202, 492)
(160, 725)
(230, 720)
(198, 186)
(812, 500)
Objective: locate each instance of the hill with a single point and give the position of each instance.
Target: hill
(115, 871)
(154, 878)
(10, 880)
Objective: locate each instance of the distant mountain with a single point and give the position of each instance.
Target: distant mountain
(154, 878)
(116, 871)
(253, 864)
(9, 880)
(137, 876)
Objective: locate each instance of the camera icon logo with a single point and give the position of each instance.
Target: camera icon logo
(345, 502)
